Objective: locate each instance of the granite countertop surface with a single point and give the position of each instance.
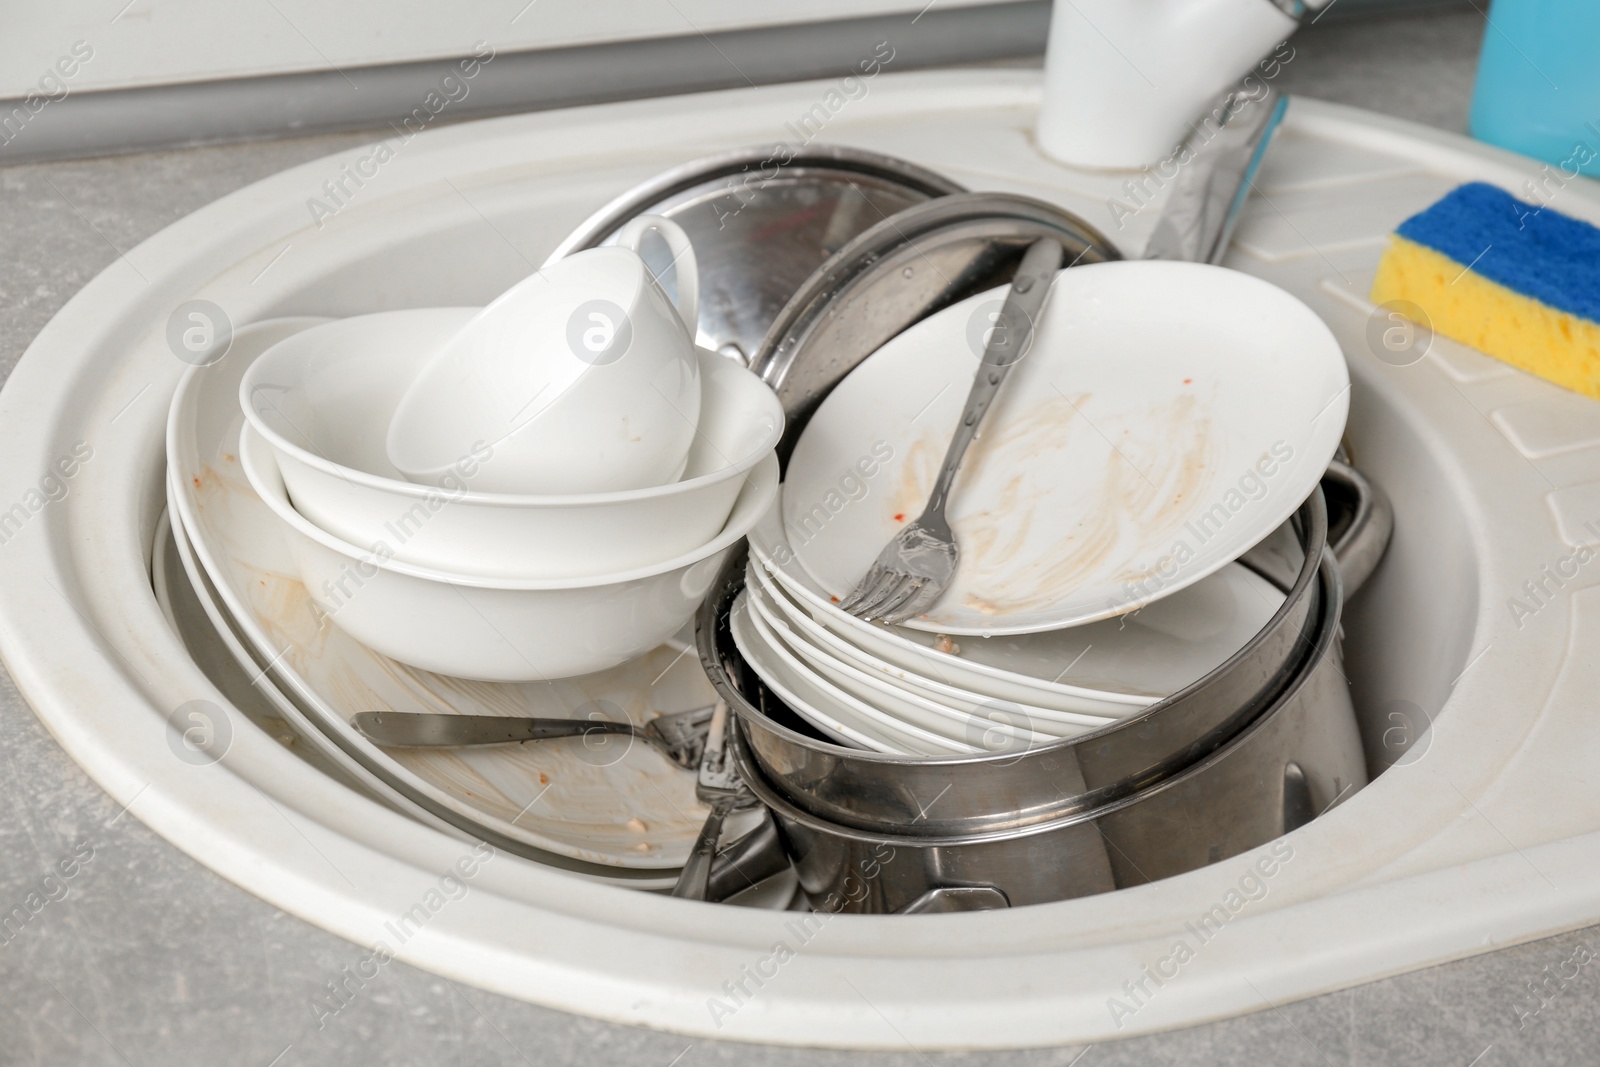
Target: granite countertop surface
(151, 958)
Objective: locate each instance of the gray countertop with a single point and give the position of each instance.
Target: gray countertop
(150, 958)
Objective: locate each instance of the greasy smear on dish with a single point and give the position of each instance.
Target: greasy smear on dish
(613, 802)
(1130, 506)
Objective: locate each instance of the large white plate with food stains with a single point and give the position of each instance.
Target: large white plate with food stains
(604, 807)
(1166, 418)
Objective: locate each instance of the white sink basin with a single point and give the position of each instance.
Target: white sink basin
(1483, 837)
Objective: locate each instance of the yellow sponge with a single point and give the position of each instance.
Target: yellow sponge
(1516, 282)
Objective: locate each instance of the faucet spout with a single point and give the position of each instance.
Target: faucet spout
(1124, 79)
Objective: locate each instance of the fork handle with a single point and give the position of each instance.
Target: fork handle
(406, 729)
(1007, 342)
(694, 880)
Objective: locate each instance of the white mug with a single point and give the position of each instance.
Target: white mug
(684, 264)
(581, 378)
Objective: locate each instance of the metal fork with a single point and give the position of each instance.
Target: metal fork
(720, 786)
(914, 569)
(681, 736)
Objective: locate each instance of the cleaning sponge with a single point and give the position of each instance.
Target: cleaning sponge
(1517, 282)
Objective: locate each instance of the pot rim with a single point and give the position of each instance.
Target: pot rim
(842, 159)
(869, 252)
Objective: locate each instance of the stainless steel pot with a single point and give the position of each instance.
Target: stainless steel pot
(1299, 757)
(1009, 789)
(762, 220)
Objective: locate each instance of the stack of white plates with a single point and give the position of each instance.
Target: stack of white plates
(901, 690)
(1142, 445)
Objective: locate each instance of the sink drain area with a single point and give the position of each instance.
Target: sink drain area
(1472, 717)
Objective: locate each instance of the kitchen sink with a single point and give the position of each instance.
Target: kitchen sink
(1470, 652)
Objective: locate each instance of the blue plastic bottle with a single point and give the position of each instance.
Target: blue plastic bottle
(1538, 88)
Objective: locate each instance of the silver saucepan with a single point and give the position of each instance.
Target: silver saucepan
(1299, 757)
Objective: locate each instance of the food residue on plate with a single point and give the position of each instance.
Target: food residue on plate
(1131, 505)
(944, 643)
(637, 825)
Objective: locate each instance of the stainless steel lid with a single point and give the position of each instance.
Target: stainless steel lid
(761, 221)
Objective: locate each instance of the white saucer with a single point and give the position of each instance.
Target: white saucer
(1167, 417)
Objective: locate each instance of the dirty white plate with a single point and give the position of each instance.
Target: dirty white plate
(975, 722)
(1167, 417)
(885, 698)
(208, 633)
(1114, 667)
(817, 645)
(600, 807)
(834, 712)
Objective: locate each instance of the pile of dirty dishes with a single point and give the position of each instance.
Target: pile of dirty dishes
(1140, 447)
(1135, 668)
(540, 488)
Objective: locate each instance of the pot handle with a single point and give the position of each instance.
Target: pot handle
(947, 898)
(749, 861)
(1365, 536)
(683, 259)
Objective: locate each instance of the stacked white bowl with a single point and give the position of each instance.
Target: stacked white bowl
(541, 488)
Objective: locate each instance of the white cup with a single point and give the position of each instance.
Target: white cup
(582, 378)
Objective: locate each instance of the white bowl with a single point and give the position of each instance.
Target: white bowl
(324, 397)
(499, 630)
(581, 378)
